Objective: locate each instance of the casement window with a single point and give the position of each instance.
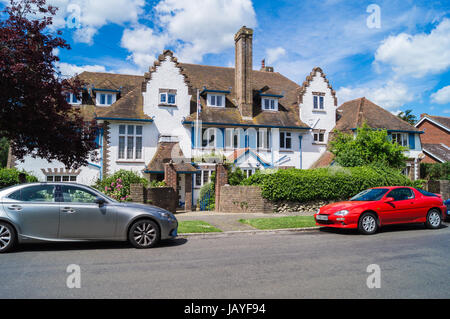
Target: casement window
(269, 104)
(263, 139)
(248, 171)
(168, 98)
(61, 178)
(105, 99)
(318, 102)
(209, 137)
(319, 137)
(130, 142)
(232, 138)
(72, 99)
(202, 178)
(285, 140)
(217, 100)
(400, 138)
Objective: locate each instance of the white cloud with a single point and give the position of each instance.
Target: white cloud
(191, 28)
(417, 55)
(273, 54)
(68, 70)
(442, 96)
(390, 95)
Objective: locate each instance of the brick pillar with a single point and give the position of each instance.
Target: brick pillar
(188, 192)
(170, 176)
(221, 179)
(138, 193)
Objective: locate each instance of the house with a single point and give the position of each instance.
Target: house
(436, 138)
(191, 116)
(353, 114)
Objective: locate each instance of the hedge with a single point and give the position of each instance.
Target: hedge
(435, 171)
(10, 176)
(334, 183)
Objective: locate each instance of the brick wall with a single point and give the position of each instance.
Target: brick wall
(439, 187)
(433, 134)
(243, 199)
(164, 197)
(221, 180)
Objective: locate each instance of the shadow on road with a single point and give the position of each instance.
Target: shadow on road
(92, 245)
(384, 229)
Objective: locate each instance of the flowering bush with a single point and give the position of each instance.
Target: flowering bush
(117, 185)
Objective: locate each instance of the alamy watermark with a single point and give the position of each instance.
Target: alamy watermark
(74, 279)
(374, 19)
(374, 279)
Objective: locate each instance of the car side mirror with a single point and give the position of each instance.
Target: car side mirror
(388, 199)
(100, 201)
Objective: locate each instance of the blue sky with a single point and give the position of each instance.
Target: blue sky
(400, 61)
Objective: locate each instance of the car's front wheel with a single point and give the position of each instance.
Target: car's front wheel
(144, 233)
(7, 237)
(434, 219)
(368, 224)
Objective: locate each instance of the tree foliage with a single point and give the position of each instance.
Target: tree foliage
(368, 147)
(407, 116)
(34, 113)
(4, 148)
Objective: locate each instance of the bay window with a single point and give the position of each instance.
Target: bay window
(400, 138)
(130, 142)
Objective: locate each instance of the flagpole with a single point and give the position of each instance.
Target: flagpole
(196, 125)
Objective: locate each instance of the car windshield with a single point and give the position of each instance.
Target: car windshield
(370, 194)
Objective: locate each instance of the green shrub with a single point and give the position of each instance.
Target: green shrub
(209, 187)
(10, 176)
(435, 171)
(117, 185)
(333, 183)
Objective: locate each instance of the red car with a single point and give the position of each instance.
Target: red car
(376, 207)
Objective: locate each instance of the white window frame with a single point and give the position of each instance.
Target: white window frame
(166, 97)
(248, 171)
(402, 137)
(267, 139)
(212, 100)
(126, 135)
(106, 94)
(209, 132)
(202, 177)
(73, 97)
(317, 134)
(287, 135)
(270, 101)
(61, 178)
(320, 102)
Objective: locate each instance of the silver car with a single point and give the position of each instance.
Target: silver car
(60, 212)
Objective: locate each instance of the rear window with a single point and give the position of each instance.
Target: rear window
(425, 193)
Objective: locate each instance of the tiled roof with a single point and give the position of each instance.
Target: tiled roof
(354, 113)
(443, 120)
(439, 151)
(167, 152)
(325, 160)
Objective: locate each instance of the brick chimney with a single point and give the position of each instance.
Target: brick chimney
(265, 68)
(243, 71)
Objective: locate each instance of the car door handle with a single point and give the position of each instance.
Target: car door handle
(15, 207)
(68, 210)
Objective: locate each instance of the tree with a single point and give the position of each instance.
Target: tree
(407, 116)
(4, 148)
(34, 114)
(369, 147)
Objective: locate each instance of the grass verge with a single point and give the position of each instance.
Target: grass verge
(196, 226)
(280, 222)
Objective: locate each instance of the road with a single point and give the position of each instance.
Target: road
(414, 263)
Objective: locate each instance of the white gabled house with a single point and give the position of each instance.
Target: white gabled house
(255, 119)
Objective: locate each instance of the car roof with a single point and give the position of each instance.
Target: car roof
(392, 187)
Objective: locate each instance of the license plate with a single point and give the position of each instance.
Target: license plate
(322, 217)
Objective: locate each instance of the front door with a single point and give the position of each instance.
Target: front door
(82, 217)
(35, 210)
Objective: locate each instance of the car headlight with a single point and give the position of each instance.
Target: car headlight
(168, 215)
(318, 211)
(341, 213)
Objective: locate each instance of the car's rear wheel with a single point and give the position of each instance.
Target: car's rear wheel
(368, 224)
(144, 233)
(434, 219)
(7, 237)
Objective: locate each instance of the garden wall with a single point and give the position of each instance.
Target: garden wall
(164, 197)
(439, 187)
(243, 199)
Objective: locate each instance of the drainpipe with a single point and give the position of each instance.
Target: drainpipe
(300, 149)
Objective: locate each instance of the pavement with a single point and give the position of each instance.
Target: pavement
(228, 222)
(414, 263)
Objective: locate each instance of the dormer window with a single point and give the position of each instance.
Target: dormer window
(269, 104)
(72, 99)
(105, 99)
(217, 100)
(318, 101)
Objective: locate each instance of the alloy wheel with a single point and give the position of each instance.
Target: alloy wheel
(434, 219)
(5, 237)
(144, 234)
(369, 223)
